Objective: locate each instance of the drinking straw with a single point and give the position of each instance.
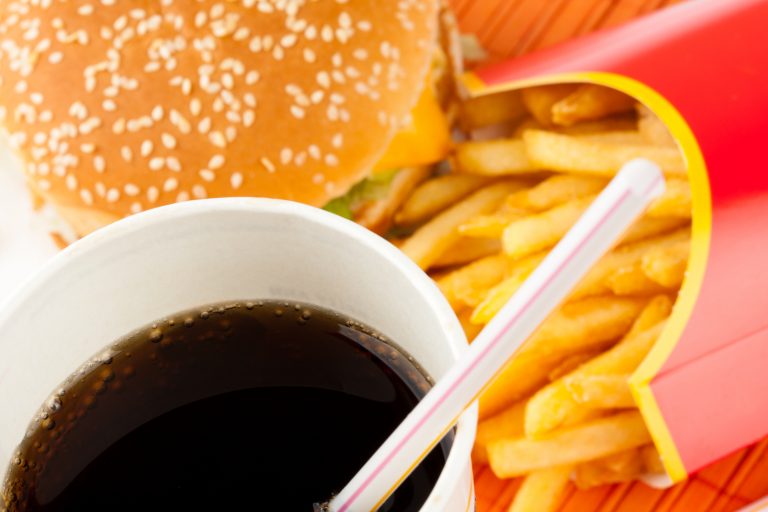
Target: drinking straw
(620, 203)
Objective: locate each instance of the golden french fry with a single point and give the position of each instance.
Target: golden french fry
(601, 391)
(528, 123)
(631, 280)
(490, 226)
(498, 157)
(616, 468)
(632, 137)
(667, 265)
(550, 150)
(466, 249)
(379, 215)
(432, 239)
(467, 285)
(435, 195)
(542, 231)
(539, 100)
(508, 423)
(590, 102)
(576, 327)
(491, 109)
(653, 129)
(570, 363)
(470, 330)
(556, 191)
(599, 438)
(541, 490)
(501, 293)
(620, 123)
(651, 459)
(647, 227)
(675, 202)
(656, 310)
(552, 405)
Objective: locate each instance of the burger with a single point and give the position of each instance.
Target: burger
(118, 107)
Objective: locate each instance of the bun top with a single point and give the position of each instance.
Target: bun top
(119, 106)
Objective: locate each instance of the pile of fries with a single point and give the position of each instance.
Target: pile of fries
(532, 163)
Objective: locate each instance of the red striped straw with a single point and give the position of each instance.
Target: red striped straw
(607, 218)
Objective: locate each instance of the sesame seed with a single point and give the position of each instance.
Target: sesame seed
(207, 175)
(278, 53)
(101, 189)
(216, 162)
(152, 194)
(204, 125)
(231, 133)
(300, 158)
(323, 79)
(55, 57)
(252, 77)
(364, 26)
(126, 153)
(195, 107)
(156, 163)
(169, 141)
(99, 164)
(236, 180)
(297, 112)
(157, 112)
(136, 207)
(87, 148)
(314, 151)
(248, 118)
(227, 81)
(337, 140)
(182, 196)
(113, 195)
(288, 40)
(86, 196)
(173, 164)
(318, 178)
(217, 139)
(71, 181)
(109, 105)
(331, 160)
(311, 32)
(267, 163)
(146, 148)
(131, 190)
(286, 155)
(360, 54)
(326, 34)
(199, 192)
(316, 96)
(170, 184)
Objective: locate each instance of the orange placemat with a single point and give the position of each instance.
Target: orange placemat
(510, 28)
(724, 486)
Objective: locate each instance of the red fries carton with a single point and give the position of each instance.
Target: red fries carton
(702, 67)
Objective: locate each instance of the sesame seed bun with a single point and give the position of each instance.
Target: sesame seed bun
(116, 107)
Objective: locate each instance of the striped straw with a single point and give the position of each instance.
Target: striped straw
(623, 200)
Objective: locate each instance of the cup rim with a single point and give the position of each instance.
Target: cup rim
(458, 459)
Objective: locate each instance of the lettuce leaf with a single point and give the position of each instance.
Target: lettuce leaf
(372, 188)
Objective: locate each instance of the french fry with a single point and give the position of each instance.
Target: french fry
(632, 137)
(539, 100)
(498, 157)
(620, 123)
(601, 391)
(631, 280)
(501, 293)
(616, 468)
(647, 227)
(570, 363)
(543, 230)
(675, 202)
(599, 438)
(490, 226)
(651, 459)
(435, 195)
(556, 191)
(467, 249)
(667, 265)
(590, 102)
(656, 310)
(652, 128)
(470, 330)
(379, 215)
(528, 123)
(576, 327)
(541, 490)
(552, 405)
(508, 423)
(550, 150)
(437, 235)
(491, 109)
(468, 285)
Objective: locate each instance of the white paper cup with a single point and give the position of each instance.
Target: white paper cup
(187, 255)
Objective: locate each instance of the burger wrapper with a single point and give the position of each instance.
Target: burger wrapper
(702, 67)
